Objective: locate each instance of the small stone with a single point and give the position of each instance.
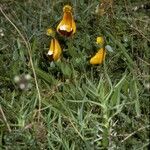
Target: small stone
(109, 48)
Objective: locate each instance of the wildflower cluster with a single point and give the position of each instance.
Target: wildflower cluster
(66, 28)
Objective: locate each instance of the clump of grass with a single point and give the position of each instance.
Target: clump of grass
(71, 104)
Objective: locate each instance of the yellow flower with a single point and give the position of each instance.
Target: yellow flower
(50, 32)
(55, 50)
(99, 57)
(67, 26)
(100, 40)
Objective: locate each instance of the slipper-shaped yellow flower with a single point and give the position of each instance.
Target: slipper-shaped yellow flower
(55, 51)
(67, 26)
(99, 57)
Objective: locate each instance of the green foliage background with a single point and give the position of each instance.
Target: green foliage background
(83, 107)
